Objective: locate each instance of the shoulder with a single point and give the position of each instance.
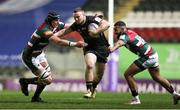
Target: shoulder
(43, 30)
(131, 33)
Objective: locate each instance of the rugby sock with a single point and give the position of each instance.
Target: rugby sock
(171, 89)
(89, 85)
(31, 80)
(134, 93)
(94, 84)
(39, 90)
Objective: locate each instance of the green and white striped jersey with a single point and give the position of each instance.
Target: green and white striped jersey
(136, 44)
(38, 40)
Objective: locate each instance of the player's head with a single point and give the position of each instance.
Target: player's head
(79, 16)
(52, 18)
(119, 27)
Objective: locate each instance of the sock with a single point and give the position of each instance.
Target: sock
(95, 84)
(171, 89)
(89, 85)
(134, 93)
(31, 80)
(39, 90)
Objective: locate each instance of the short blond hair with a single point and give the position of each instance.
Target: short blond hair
(79, 9)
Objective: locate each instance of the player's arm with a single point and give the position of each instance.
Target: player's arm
(55, 39)
(117, 45)
(103, 25)
(62, 32)
(66, 26)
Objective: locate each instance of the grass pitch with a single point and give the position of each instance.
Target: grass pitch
(69, 100)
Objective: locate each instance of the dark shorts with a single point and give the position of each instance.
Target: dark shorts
(100, 52)
(27, 59)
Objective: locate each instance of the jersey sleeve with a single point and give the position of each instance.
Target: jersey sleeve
(124, 38)
(45, 33)
(39, 32)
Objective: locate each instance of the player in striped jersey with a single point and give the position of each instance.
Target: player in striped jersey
(34, 57)
(148, 59)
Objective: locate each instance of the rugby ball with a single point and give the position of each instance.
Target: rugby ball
(92, 26)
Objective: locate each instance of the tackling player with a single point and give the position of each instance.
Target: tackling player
(96, 52)
(148, 59)
(34, 57)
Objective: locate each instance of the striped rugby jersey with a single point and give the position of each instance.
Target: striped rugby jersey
(136, 44)
(38, 41)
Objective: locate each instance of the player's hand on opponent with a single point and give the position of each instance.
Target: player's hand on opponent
(110, 50)
(81, 44)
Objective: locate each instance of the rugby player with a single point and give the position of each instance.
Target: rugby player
(34, 58)
(148, 59)
(96, 52)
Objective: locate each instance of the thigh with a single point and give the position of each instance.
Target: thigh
(27, 61)
(133, 69)
(150, 62)
(154, 72)
(102, 54)
(100, 68)
(41, 59)
(41, 63)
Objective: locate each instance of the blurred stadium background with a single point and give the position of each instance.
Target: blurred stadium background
(157, 21)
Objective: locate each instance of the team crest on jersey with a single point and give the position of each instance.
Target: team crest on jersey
(19, 6)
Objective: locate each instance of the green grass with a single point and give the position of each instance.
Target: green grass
(69, 100)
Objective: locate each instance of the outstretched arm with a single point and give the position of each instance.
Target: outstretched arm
(57, 40)
(62, 32)
(117, 45)
(64, 42)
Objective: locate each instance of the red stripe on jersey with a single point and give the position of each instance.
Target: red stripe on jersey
(131, 35)
(42, 25)
(141, 46)
(150, 52)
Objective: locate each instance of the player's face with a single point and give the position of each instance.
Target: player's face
(79, 17)
(55, 23)
(119, 29)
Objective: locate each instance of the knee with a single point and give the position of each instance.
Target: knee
(127, 75)
(47, 81)
(89, 66)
